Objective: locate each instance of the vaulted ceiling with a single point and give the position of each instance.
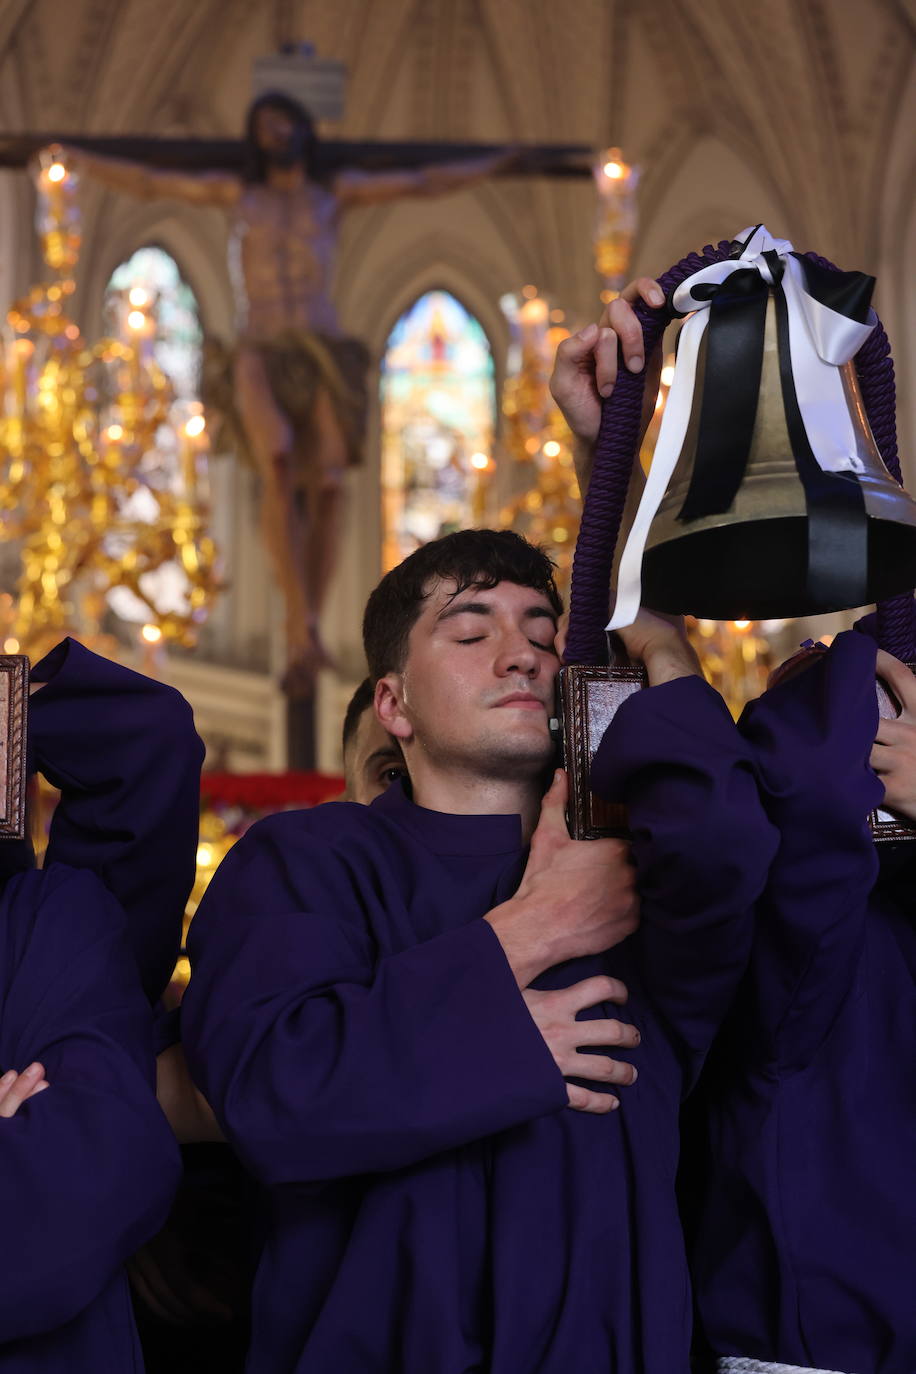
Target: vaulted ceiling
(805, 94)
(798, 112)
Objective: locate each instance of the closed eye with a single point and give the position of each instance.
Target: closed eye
(475, 640)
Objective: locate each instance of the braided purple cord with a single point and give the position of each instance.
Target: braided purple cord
(875, 370)
(616, 445)
(618, 438)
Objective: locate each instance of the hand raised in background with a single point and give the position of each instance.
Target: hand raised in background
(893, 756)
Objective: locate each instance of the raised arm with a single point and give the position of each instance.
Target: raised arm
(586, 364)
(811, 736)
(123, 750)
(89, 1166)
(323, 1060)
(152, 183)
(701, 841)
(354, 188)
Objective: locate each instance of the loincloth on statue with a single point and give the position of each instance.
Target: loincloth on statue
(297, 364)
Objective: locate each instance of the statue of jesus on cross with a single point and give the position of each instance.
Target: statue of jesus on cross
(298, 386)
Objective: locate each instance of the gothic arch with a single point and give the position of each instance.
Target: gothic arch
(194, 238)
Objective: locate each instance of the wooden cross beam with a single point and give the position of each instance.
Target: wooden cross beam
(228, 154)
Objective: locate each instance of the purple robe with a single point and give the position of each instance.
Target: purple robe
(123, 750)
(87, 1167)
(807, 1241)
(434, 1207)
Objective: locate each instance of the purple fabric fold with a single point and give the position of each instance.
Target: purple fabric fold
(89, 1166)
(805, 1242)
(123, 750)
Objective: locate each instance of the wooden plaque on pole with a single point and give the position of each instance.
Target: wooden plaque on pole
(14, 702)
(589, 698)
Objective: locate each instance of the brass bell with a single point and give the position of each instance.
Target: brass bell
(751, 561)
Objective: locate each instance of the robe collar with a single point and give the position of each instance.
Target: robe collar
(444, 833)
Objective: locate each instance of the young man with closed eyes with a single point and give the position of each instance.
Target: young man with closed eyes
(420, 1022)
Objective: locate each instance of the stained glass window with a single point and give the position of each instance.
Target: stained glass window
(178, 333)
(151, 280)
(438, 403)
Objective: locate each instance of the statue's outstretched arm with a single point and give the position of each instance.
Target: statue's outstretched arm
(354, 188)
(152, 183)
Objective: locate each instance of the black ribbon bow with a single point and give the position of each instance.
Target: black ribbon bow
(837, 522)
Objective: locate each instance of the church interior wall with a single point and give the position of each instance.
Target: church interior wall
(804, 121)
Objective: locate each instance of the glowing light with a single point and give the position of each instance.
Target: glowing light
(613, 170)
(741, 625)
(607, 296)
(196, 425)
(205, 856)
(480, 461)
(114, 434)
(138, 296)
(557, 316)
(534, 311)
(136, 320)
(667, 376)
(532, 444)
(551, 449)
(11, 646)
(57, 171)
(151, 634)
(529, 292)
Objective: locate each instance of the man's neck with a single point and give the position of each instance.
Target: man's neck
(281, 178)
(469, 794)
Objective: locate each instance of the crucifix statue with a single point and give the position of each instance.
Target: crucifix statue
(294, 389)
(297, 392)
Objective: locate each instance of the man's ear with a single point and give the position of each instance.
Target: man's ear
(389, 707)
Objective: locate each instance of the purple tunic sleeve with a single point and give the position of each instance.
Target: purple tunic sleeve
(812, 736)
(323, 1058)
(124, 752)
(88, 1167)
(702, 846)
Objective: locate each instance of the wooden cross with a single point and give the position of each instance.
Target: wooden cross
(371, 155)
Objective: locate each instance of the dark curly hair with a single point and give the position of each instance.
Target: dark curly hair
(360, 702)
(469, 558)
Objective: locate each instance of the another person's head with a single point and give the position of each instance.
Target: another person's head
(372, 759)
(279, 132)
(460, 644)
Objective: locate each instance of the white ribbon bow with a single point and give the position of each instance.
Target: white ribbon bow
(820, 341)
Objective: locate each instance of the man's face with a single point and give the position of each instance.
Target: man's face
(277, 136)
(372, 760)
(477, 689)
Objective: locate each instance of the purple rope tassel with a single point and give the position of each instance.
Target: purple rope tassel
(616, 445)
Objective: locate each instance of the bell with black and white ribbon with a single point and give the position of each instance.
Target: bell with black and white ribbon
(767, 495)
